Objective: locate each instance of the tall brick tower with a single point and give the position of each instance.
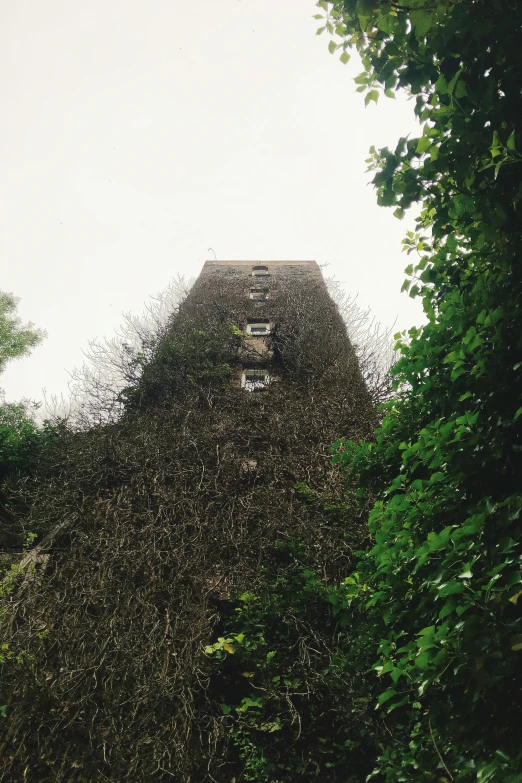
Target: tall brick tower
(215, 482)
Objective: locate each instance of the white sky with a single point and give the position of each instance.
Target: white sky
(135, 135)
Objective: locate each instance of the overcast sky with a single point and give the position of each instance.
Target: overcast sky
(136, 134)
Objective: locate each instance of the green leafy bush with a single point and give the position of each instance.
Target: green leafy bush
(294, 706)
(437, 595)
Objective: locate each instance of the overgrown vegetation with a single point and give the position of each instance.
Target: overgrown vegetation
(18, 431)
(435, 601)
(437, 596)
(170, 514)
(273, 637)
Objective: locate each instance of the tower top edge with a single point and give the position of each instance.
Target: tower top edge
(254, 262)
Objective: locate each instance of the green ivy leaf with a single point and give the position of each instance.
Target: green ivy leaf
(386, 696)
(422, 22)
(387, 23)
(372, 95)
(423, 144)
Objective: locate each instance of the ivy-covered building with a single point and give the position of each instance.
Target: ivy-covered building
(178, 622)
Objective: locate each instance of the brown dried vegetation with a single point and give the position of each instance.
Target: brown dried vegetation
(171, 510)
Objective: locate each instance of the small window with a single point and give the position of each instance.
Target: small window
(259, 271)
(259, 328)
(254, 380)
(259, 294)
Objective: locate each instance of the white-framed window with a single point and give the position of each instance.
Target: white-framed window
(259, 271)
(259, 328)
(259, 294)
(254, 380)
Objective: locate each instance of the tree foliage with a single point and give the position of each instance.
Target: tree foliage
(16, 338)
(437, 596)
(18, 431)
